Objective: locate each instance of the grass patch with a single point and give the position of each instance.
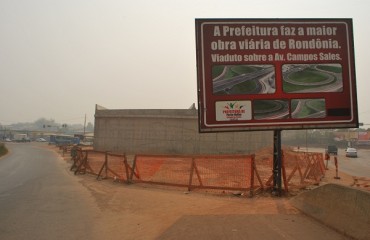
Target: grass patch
(305, 112)
(333, 69)
(242, 69)
(308, 76)
(217, 70)
(317, 104)
(294, 104)
(312, 106)
(3, 149)
(247, 87)
(232, 70)
(264, 105)
(288, 87)
(244, 88)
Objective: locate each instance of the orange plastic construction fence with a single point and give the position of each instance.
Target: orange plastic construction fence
(228, 172)
(299, 169)
(223, 172)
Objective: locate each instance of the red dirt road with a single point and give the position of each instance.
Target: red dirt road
(149, 212)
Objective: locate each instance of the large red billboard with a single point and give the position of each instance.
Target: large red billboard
(261, 74)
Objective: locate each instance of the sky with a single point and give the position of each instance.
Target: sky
(58, 58)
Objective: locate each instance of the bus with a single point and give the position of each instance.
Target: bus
(61, 139)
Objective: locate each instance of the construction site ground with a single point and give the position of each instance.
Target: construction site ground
(139, 211)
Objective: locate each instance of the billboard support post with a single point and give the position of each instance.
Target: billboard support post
(277, 164)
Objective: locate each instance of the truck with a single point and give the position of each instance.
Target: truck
(332, 149)
(21, 137)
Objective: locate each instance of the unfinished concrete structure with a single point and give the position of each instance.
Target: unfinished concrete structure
(168, 131)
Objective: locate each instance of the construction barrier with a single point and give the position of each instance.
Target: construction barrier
(299, 169)
(102, 164)
(226, 172)
(115, 166)
(304, 168)
(65, 149)
(220, 172)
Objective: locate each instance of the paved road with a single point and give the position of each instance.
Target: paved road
(39, 198)
(359, 166)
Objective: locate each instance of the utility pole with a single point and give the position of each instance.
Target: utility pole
(85, 126)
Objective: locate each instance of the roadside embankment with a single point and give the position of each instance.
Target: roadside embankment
(3, 150)
(343, 208)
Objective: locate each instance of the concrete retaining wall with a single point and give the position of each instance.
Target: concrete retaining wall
(343, 208)
(168, 131)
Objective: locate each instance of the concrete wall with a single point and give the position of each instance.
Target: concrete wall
(343, 208)
(168, 131)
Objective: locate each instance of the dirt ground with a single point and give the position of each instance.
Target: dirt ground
(140, 211)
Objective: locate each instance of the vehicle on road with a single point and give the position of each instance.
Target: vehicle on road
(332, 149)
(40, 140)
(21, 137)
(351, 152)
(61, 139)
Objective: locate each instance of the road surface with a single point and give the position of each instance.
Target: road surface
(359, 167)
(39, 199)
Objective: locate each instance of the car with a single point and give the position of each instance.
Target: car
(351, 152)
(41, 140)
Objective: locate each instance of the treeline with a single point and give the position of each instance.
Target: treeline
(44, 124)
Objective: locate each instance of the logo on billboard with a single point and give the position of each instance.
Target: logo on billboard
(233, 111)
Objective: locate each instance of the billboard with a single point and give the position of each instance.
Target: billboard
(262, 74)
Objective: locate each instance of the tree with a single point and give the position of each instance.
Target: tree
(41, 122)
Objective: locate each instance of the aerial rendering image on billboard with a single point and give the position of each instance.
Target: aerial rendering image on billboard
(305, 78)
(308, 108)
(243, 79)
(270, 109)
(268, 74)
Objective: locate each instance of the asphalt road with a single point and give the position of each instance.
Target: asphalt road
(359, 167)
(39, 198)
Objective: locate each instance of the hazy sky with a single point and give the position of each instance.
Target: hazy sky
(58, 58)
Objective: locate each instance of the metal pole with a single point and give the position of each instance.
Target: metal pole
(84, 127)
(277, 164)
